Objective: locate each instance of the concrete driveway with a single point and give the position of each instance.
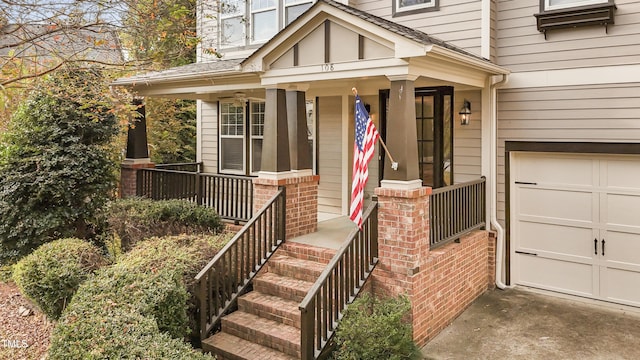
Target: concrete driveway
(519, 324)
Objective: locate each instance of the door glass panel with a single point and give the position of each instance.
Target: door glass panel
(424, 123)
(447, 144)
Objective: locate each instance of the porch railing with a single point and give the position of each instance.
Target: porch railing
(192, 167)
(338, 286)
(455, 210)
(231, 196)
(229, 273)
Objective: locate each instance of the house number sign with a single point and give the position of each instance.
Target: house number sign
(327, 67)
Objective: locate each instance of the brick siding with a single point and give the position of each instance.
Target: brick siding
(440, 283)
(301, 205)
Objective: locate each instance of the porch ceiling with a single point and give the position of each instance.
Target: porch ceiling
(330, 45)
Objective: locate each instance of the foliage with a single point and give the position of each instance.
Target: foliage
(52, 273)
(136, 219)
(161, 32)
(171, 128)
(376, 329)
(56, 169)
(137, 308)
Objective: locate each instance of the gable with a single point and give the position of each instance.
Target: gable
(328, 43)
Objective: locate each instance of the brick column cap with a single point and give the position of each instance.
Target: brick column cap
(404, 193)
(287, 180)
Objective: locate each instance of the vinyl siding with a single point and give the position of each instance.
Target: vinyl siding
(603, 113)
(330, 154)
(209, 147)
(457, 21)
(522, 48)
(467, 142)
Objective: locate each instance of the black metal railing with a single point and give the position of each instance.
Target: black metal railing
(228, 275)
(455, 210)
(338, 285)
(231, 196)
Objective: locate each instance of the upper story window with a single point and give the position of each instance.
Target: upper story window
(406, 7)
(563, 4)
(247, 22)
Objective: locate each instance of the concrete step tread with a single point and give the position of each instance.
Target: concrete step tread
(235, 348)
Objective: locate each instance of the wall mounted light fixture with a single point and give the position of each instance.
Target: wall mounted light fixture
(465, 113)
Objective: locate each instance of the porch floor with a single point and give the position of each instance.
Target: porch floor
(332, 231)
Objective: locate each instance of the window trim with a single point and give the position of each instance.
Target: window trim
(414, 9)
(544, 4)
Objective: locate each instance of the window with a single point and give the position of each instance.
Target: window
(293, 9)
(407, 7)
(264, 20)
(257, 134)
(261, 19)
(232, 28)
(241, 136)
(232, 119)
(563, 4)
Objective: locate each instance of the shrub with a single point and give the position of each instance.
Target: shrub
(137, 308)
(376, 329)
(52, 273)
(56, 170)
(137, 219)
(119, 334)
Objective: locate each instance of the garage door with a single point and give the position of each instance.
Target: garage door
(575, 224)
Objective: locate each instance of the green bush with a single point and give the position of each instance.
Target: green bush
(139, 307)
(376, 329)
(56, 166)
(52, 273)
(119, 333)
(134, 220)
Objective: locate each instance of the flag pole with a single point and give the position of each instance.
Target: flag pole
(394, 164)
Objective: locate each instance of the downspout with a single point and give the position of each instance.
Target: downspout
(494, 183)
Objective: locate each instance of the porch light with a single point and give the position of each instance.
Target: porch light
(465, 113)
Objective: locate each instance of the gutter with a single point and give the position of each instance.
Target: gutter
(494, 184)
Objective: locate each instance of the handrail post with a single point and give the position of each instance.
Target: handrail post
(198, 188)
(307, 338)
(283, 214)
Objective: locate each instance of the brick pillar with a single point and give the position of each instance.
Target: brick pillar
(302, 201)
(128, 175)
(403, 245)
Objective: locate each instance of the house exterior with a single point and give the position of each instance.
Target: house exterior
(552, 87)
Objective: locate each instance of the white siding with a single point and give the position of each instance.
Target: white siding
(209, 147)
(603, 113)
(467, 142)
(522, 48)
(457, 21)
(330, 154)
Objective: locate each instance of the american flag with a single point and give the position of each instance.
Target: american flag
(363, 148)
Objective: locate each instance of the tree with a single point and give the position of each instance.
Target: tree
(171, 126)
(56, 169)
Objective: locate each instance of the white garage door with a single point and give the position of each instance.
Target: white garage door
(575, 224)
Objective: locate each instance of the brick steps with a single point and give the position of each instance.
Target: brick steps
(267, 322)
(229, 347)
(282, 286)
(271, 307)
(265, 332)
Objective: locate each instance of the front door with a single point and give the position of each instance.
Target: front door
(434, 125)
